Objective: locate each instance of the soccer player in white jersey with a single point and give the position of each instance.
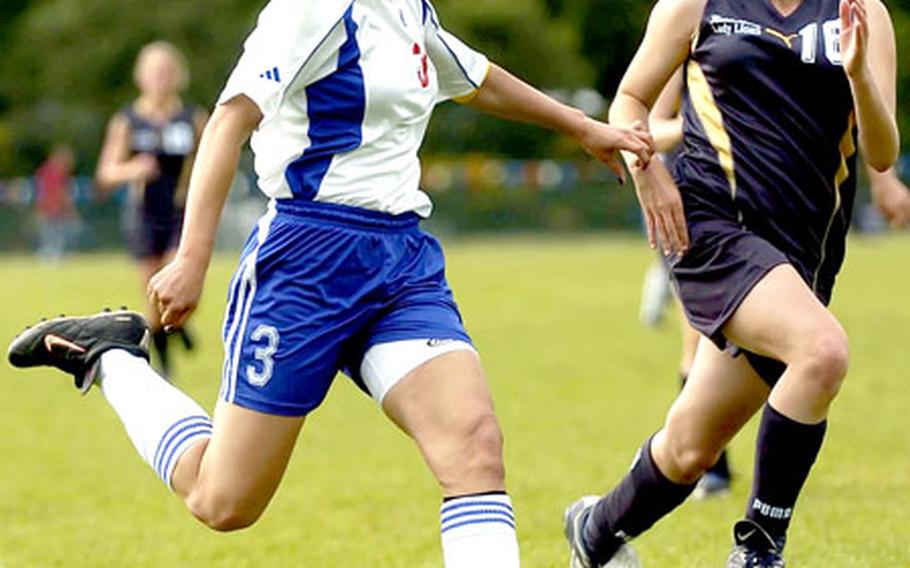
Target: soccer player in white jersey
(337, 275)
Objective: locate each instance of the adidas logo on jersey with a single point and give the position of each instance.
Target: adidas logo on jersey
(271, 75)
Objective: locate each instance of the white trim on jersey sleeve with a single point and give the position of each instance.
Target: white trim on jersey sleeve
(460, 70)
(287, 34)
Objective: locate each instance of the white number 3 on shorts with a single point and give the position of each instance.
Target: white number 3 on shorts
(263, 354)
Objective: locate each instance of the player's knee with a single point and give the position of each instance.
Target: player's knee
(478, 460)
(222, 514)
(486, 446)
(827, 359)
(689, 459)
(692, 462)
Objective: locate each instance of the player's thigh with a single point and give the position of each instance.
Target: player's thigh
(719, 397)
(779, 315)
(446, 407)
(243, 462)
(440, 396)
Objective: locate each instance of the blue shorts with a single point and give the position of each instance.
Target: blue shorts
(318, 285)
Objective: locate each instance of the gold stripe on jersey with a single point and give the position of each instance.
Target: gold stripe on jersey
(465, 99)
(712, 121)
(787, 39)
(847, 149)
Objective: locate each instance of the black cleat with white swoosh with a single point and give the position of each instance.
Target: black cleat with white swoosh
(755, 548)
(75, 344)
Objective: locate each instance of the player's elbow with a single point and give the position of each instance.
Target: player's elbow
(103, 180)
(882, 153)
(882, 162)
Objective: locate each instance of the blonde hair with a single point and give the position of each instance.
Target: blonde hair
(169, 49)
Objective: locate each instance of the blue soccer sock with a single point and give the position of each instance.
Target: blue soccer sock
(161, 421)
(478, 531)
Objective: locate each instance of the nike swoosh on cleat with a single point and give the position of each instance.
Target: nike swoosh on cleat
(51, 341)
(743, 537)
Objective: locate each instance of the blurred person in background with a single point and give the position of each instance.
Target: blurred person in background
(337, 276)
(149, 146)
(55, 212)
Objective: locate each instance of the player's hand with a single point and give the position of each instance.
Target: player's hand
(144, 167)
(661, 205)
(605, 142)
(892, 198)
(175, 290)
(854, 36)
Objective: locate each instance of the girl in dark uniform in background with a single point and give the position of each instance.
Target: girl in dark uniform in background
(778, 93)
(150, 145)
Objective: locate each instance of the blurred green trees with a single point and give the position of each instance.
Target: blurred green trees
(67, 63)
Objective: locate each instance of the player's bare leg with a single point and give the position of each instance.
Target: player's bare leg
(716, 480)
(721, 395)
(783, 319)
(445, 405)
(225, 470)
(228, 480)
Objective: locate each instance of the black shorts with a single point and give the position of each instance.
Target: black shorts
(724, 262)
(151, 236)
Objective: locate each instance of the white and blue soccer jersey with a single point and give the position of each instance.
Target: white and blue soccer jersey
(346, 89)
(338, 274)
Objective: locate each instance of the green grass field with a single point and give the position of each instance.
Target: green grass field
(578, 382)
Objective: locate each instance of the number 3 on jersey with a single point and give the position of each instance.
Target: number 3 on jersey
(831, 36)
(267, 335)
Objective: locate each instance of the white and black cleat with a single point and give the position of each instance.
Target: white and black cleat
(754, 547)
(574, 519)
(75, 344)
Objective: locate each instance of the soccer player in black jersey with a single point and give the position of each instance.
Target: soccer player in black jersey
(150, 145)
(778, 93)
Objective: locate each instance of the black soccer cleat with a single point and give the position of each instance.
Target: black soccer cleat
(75, 344)
(754, 547)
(574, 519)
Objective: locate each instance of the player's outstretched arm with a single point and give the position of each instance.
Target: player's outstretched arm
(662, 51)
(176, 289)
(870, 62)
(504, 95)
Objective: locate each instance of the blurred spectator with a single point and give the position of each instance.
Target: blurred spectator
(56, 215)
(150, 146)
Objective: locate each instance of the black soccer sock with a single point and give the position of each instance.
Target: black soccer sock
(784, 453)
(160, 341)
(721, 467)
(186, 338)
(641, 499)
